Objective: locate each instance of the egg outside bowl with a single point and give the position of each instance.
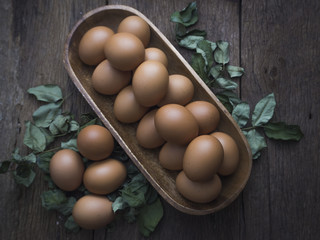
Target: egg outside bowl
(147, 160)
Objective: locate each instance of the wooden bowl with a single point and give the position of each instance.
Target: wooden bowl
(147, 160)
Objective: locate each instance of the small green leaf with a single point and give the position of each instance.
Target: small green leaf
(235, 71)
(53, 199)
(282, 131)
(43, 161)
(66, 207)
(205, 49)
(16, 156)
(151, 195)
(34, 138)
(221, 54)
(60, 125)
(47, 93)
(4, 166)
(188, 16)
(31, 158)
(216, 71)
(263, 110)
(181, 32)
(71, 225)
(71, 144)
(45, 114)
(119, 204)
(74, 126)
(256, 142)
(191, 41)
(24, 175)
(130, 214)
(199, 65)
(226, 83)
(149, 217)
(241, 114)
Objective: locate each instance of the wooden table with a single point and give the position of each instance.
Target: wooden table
(277, 42)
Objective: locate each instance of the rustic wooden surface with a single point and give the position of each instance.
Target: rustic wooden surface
(276, 41)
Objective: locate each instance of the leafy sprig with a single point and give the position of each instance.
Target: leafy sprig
(211, 62)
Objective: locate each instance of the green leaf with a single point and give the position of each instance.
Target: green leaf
(45, 114)
(282, 131)
(74, 126)
(241, 114)
(16, 156)
(191, 41)
(130, 214)
(34, 138)
(151, 195)
(230, 97)
(56, 200)
(235, 71)
(43, 161)
(119, 204)
(71, 144)
(256, 142)
(4, 166)
(48, 136)
(199, 65)
(31, 158)
(60, 125)
(149, 217)
(24, 175)
(226, 83)
(205, 49)
(216, 71)
(188, 16)
(181, 32)
(66, 207)
(71, 225)
(221, 54)
(264, 110)
(47, 93)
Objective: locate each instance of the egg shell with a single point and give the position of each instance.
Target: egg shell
(95, 142)
(180, 90)
(91, 46)
(230, 160)
(136, 26)
(202, 158)
(147, 134)
(150, 82)
(124, 51)
(109, 80)
(105, 176)
(206, 114)
(66, 169)
(176, 124)
(126, 107)
(199, 192)
(156, 54)
(93, 212)
(171, 156)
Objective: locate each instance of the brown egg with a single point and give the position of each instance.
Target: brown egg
(91, 46)
(171, 156)
(176, 124)
(124, 51)
(109, 80)
(150, 83)
(95, 142)
(231, 153)
(126, 107)
(202, 158)
(180, 90)
(156, 54)
(105, 176)
(147, 135)
(66, 169)
(136, 26)
(206, 114)
(93, 212)
(199, 192)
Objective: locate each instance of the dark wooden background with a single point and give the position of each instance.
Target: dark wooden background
(276, 41)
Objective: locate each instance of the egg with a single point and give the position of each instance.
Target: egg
(231, 153)
(176, 124)
(199, 192)
(206, 114)
(124, 51)
(93, 212)
(105, 176)
(156, 54)
(146, 134)
(91, 46)
(150, 82)
(180, 90)
(95, 142)
(66, 169)
(109, 80)
(126, 107)
(136, 26)
(171, 156)
(202, 158)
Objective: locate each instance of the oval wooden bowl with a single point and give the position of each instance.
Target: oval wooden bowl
(147, 160)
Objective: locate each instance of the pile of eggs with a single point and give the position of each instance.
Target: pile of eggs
(162, 105)
(101, 177)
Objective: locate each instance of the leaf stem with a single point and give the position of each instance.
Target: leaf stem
(51, 150)
(249, 128)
